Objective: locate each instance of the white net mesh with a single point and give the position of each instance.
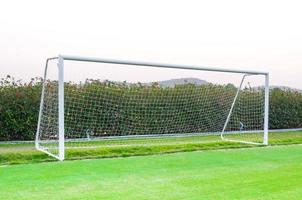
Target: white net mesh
(107, 104)
(48, 129)
(246, 122)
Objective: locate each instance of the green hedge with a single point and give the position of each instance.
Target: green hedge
(138, 109)
(285, 109)
(19, 106)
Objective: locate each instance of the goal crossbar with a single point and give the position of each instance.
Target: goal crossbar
(162, 65)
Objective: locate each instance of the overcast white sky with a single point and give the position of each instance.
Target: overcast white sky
(254, 35)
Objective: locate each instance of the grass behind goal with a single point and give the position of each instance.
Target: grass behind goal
(25, 152)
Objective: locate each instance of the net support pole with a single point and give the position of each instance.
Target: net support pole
(232, 107)
(61, 109)
(41, 107)
(266, 110)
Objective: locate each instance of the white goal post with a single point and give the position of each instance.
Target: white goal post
(73, 110)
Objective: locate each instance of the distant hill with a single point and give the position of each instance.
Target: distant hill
(196, 81)
(179, 81)
(285, 88)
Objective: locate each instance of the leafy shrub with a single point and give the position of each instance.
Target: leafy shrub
(285, 109)
(19, 107)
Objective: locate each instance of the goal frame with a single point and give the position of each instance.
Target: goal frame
(60, 64)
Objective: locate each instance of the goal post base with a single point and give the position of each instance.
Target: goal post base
(48, 153)
(244, 142)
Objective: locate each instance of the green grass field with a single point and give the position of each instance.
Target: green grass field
(201, 167)
(250, 173)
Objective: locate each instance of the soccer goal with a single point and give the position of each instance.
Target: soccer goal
(90, 102)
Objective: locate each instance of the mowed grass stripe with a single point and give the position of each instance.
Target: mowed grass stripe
(26, 153)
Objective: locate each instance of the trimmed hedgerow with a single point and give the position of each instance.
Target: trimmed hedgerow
(285, 109)
(19, 106)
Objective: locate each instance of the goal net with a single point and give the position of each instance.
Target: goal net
(91, 103)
